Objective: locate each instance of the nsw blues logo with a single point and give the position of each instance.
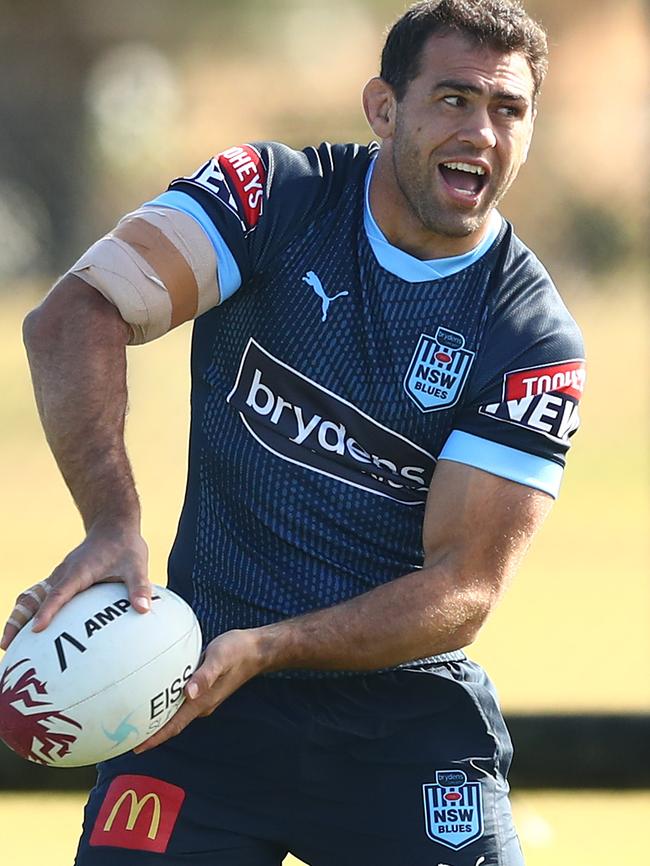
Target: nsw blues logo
(438, 370)
(453, 809)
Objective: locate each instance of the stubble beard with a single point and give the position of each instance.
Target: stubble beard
(416, 184)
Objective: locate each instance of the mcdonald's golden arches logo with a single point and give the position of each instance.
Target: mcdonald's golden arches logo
(135, 807)
(138, 812)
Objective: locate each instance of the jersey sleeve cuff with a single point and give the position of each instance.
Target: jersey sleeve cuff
(229, 273)
(501, 460)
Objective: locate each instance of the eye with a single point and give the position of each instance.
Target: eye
(455, 101)
(512, 111)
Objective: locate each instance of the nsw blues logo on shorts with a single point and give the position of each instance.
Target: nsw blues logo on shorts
(438, 370)
(453, 809)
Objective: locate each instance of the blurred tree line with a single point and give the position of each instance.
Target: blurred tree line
(102, 103)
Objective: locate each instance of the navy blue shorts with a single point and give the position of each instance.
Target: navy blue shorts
(406, 768)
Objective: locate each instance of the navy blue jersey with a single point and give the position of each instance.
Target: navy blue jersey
(337, 373)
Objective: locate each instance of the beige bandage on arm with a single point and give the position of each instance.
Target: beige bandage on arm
(157, 266)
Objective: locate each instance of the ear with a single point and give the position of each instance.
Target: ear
(380, 106)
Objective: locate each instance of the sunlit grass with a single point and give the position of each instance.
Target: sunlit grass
(556, 828)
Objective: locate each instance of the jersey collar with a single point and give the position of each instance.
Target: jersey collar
(406, 266)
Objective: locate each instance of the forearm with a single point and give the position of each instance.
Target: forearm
(75, 343)
(424, 613)
(477, 528)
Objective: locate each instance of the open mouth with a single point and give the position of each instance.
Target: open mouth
(463, 178)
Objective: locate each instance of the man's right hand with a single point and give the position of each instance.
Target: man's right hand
(106, 555)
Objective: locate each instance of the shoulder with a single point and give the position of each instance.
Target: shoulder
(246, 178)
(324, 159)
(326, 170)
(252, 199)
(531, 343)
(526, 301)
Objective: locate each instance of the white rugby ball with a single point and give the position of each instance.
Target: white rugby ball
(100, 679)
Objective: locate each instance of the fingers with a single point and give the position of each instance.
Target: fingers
(209, 686)
(106, 555)
(27, 605)
(74, 583)
(65, 582)
(230, 661)
(205, 676)
(129, 566)
(189, 711)
(193, 707)
(140, 595)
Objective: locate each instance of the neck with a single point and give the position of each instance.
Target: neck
(401, 225)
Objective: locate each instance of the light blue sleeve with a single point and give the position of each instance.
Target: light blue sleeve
(501, 460)
(229, 274)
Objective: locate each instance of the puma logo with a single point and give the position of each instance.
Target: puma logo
(312, 280)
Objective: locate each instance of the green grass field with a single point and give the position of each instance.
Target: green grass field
(556, 829)
(578, 607)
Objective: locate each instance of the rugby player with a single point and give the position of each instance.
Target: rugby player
(385, 381)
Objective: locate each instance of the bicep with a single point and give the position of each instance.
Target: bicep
(158, 267)
(480, 521)
(74, 313)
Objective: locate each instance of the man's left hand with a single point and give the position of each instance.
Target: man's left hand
(230, 660)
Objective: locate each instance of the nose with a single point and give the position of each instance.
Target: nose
(479, 133)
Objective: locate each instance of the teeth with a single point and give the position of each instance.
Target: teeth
(465, 166)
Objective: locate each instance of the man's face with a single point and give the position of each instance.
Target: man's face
(462, 131)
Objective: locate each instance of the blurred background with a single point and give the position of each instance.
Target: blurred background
(103, 103)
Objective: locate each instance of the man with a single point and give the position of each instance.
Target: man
(380, 413)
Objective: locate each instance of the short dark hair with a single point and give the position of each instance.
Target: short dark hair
(501, 24)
